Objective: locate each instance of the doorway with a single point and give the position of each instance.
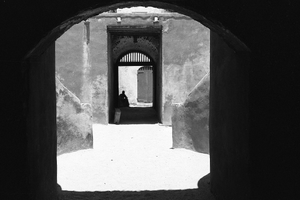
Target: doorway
(135, 46)
(231, 83)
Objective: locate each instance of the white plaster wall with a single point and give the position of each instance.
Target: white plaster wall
(128, 82)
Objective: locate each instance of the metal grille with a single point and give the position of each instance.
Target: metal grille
(135, 57)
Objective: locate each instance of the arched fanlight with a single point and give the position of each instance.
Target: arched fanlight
(135, 57)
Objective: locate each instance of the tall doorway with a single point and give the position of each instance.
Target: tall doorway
(135, 46)
(136, 80)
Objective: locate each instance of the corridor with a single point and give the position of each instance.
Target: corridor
(138, 115)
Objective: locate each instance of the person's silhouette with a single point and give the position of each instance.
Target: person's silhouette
(123, 100)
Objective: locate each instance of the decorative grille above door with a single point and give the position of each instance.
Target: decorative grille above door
(135, 58)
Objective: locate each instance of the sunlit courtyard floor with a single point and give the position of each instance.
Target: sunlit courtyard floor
(131, 158)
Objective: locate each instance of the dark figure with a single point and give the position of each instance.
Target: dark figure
(123, 100)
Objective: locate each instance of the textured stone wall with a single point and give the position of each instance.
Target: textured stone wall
(190, 120)
(69, 59)
(73, 121)
(82, 61)
(186, 49)
(81, 65)
(98, 73)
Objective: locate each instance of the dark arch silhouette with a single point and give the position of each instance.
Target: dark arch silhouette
(225, 34)
(269, 28)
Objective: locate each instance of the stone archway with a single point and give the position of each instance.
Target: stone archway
(130, 72)
(229, 83)
(125, 39)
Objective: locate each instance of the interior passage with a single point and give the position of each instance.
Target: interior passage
(138, 115)
(131, 158)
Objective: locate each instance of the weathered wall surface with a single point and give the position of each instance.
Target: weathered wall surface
(190, 127)
(185, 60)
(73, 122)
(98, 71)
(69, 59)
(186, 50)
(81, 65)
(128, 82)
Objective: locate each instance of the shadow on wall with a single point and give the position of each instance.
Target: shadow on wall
(74, 121)
(190, 119)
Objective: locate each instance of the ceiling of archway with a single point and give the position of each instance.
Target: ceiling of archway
(148, 44)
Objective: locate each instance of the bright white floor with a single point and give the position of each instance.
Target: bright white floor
(131, 157)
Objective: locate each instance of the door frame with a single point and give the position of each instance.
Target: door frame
(113, 65)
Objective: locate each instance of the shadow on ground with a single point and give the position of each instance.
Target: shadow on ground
(202, 193)
(138, 115)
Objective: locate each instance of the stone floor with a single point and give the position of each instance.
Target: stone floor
(133, 162)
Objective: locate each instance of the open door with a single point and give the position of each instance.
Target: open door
(145, 84)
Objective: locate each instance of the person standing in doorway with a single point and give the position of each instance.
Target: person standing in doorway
(123, 100)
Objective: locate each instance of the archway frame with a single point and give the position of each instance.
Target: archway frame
(239, 52)
(151, 63)
(113, 64)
